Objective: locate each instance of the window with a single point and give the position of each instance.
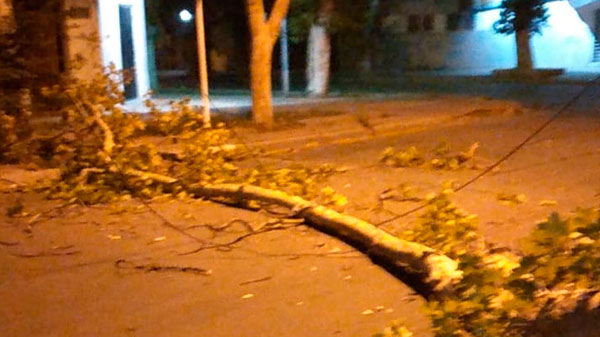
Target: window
(453, 21)
(33, 5)
(428, 21)
(414, 23)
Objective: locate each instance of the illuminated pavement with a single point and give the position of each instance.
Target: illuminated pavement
(471, 82)
(225, 103)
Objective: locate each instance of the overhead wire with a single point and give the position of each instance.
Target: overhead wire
(510, 153)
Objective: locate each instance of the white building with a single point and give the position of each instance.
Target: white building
(120, 26)
(565, 41)
(460, 35)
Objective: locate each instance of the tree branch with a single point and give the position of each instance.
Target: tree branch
(256, 15)
(278, 13)
(438, 271)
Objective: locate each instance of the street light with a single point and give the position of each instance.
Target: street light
(185, 16)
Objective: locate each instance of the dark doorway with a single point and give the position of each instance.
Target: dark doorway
(127, 52)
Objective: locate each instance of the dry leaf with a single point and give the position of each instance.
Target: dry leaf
(548, 203)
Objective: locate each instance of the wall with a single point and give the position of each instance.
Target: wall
(587, 11)
(565, 42)
(111, 38)
(82, 49)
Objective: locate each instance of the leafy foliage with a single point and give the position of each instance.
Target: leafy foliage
(180, 117)
(302, 15)
(410, 157)
(396, 329)
(105, 154)
(503, 293)
(520, 15)
(7, 135)
(14, 111)
(442, 157)
(511, 198)
(445, 227)
(563, 252)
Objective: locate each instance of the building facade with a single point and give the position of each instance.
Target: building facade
(109, 32)
(459, 35)
(81, 37)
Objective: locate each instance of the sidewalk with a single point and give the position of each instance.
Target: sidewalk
(467, 81)
(235, 104)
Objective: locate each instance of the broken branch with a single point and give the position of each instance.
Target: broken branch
(438, 271)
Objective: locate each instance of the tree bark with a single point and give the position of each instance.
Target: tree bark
(435, 271)
(264, 35)
(7, 17)
(319, 52)
(260, 82)
(524, 57)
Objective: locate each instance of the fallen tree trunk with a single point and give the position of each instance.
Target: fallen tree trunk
(437, 271)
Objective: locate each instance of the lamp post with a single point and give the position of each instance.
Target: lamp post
(285, 66)
(203, 72)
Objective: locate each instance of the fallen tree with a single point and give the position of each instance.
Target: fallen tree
(438, 272)
(104, 158)
(473, 288)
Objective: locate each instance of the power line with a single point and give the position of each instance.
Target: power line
(510, 153)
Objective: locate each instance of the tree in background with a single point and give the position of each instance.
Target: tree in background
(7, 17)
(369, 28)
(316, 21)
(524, 18)
(264, 30)
(318, 56)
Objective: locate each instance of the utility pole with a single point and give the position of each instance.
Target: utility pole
(203, 71)
(285, 64)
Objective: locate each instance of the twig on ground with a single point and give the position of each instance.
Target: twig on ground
(12, 182)
(228, 246)
(45, 254)
(148, 268)
(258, 280)
(295, 256)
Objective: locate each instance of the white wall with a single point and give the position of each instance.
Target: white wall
(588, 12)
(565, 42)
(83, 50)
(111, 38)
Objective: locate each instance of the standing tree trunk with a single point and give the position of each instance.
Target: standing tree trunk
(524, 57)
(264, 35)
(7, 17)
(319, 52)
(367, 62)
